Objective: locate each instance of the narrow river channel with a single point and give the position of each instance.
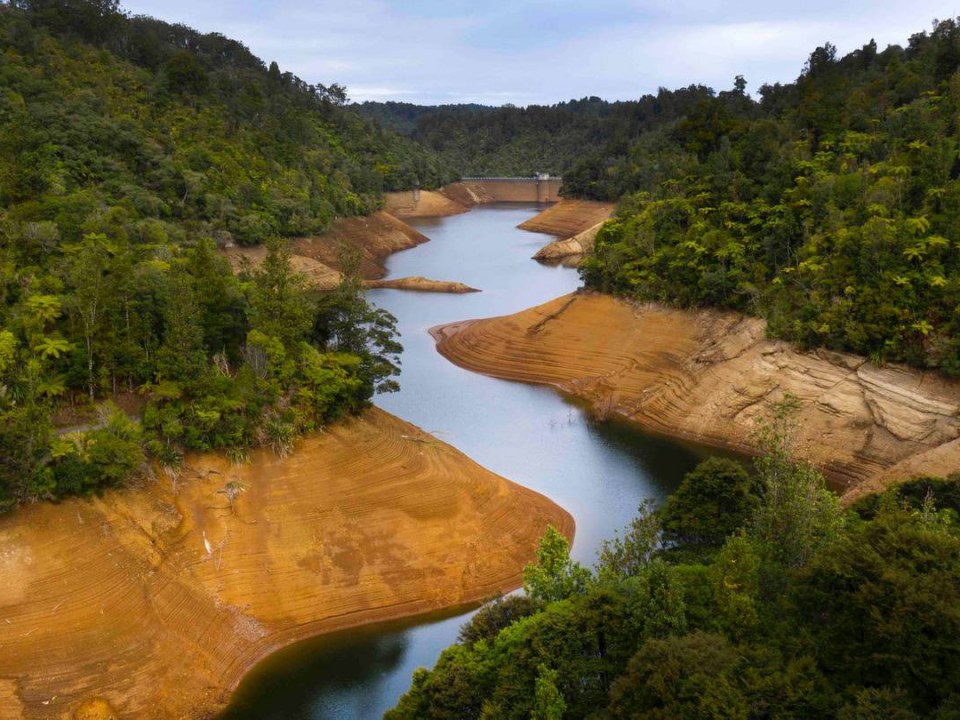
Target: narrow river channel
(533, 435)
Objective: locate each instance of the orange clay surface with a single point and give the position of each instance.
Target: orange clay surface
(569, 217)
(709, 377)
(150, 603)
(375, 236)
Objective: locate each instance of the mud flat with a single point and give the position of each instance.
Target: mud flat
(418, 283)
(154, 603)
(709, 376)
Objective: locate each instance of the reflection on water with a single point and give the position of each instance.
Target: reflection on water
(351, 674)
(533, 435)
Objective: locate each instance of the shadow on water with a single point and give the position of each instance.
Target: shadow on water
(533, 435)
(348, 674)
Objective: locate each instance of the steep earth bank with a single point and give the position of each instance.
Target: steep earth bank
(459, 197)
(449, 200)
(376, 236)
(569, 217)
(708, 376)
(430, 204)
(570, 249)
(156, 601)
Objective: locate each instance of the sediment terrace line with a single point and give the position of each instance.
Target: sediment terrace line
(709, 376)
(372, 520)
(569, 217)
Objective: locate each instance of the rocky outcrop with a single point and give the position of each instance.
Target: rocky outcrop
(155, 601)
(419, 283)
(709, 377)
(569, 249)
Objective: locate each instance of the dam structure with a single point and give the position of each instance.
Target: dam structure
(540, 188)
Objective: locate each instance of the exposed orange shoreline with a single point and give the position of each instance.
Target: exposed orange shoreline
(154, 602)
(159, 603)
(569, 217)
(708, 376)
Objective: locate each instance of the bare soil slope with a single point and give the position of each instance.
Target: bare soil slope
(449, 200)
(323, 276)
(376, 236)
(571, 248)
(707, 376)
(569, 217)
(156, 603)
(468, 195)
(430, 204)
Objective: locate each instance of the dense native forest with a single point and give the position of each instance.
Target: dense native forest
(521, 141)
(745, 596)
(830, 206)
(129, 150)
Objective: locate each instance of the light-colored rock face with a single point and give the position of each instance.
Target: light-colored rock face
(152, 603)
(572, 247)
(711, 377)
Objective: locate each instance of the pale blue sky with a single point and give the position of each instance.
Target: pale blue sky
(544, 51)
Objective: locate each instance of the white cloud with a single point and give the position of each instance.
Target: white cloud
(545, 51)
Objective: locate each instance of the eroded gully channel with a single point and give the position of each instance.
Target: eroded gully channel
(532, 435)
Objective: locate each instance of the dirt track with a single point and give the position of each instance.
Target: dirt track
(708, 376)
(159, 603)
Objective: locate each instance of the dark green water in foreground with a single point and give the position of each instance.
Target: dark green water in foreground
(599, 472)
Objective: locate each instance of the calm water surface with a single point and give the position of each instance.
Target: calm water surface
(599, 472)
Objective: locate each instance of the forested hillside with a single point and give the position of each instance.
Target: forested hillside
(129, 148)
(480, 140)
(830, 206)
(741, 598)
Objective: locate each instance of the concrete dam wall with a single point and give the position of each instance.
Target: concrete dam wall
(541, 189)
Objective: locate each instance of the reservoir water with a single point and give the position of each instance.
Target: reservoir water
(600, 472)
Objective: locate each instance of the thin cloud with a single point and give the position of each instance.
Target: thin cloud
(544, 51)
